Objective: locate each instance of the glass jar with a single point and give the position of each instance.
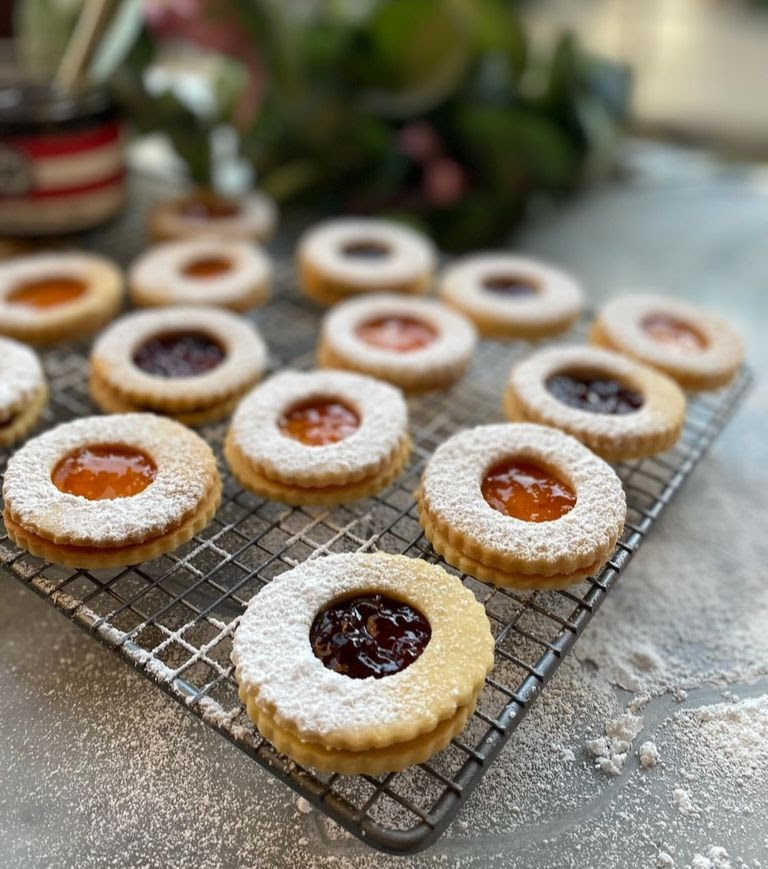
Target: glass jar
(62, 165)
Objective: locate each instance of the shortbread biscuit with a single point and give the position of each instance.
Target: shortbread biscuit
(696, 348)
(417, 344)
(618, 407)
(322, 437)
(510, 296)
(362, 663)
(251, 216)
(202, 271)
(521, 505)
(62, 296)
(23, 391)
(349, 256)
(108, 491)
(192, 363)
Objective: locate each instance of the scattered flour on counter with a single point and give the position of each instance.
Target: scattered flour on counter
(664, 860)
(610, 751)
(730, 735)
(303, 805)
(683, 803)
(648, 754)
(715, 858)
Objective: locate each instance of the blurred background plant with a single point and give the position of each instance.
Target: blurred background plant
(437, 111)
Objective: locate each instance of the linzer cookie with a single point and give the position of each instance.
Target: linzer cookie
(508, 296)
(23, 391)
(521, 505)
(251, 216)
(417, 344)
(616, 406)
(194, 364)
(349, 256)
(202, 271)
(52, 297)
(362, 663)
(106, 491)
(323, 437)
(698, 349)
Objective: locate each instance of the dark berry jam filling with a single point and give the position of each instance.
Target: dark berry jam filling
(370, 635)
(510, 285)
(179, 354)
(364, 249)
(595, 394)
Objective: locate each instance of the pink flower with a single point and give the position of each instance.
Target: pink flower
(444, 181)
(419, 141)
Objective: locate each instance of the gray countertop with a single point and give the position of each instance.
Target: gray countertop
(101, 769)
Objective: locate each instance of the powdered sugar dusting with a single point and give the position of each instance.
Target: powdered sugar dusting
(451, 349)
(322, 705)
(186, 470)
(663, 400)
(558, 296)
(383, 425)
(410, 256)
(21, 376)
(622, 318)
(244, 362)
(451, 490)
(159, 272)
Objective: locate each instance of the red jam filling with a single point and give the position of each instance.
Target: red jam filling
(207, 267)
(47, 293)
(674, 332)
(179, 354)
(401, 334)
(100, 472)
(209, 207)
(527, 492)
(511, 285)
(366, 249)
(370, 635)
(595, 394)
(319, 421)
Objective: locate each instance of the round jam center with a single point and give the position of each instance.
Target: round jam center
(526, 492)
(319, 421)
(207, 267)
(100, 472)
(371, 635)
(48, 292)
(182, 354)
(209, 208)
(365, 249)
(595, 394)
(401, 334)
(676, 333)
(510, 285)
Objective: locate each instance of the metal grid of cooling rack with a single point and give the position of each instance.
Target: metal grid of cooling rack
(173, 618)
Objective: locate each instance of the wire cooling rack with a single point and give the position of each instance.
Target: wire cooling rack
(173, 618)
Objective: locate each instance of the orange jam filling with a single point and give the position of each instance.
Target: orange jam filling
(48, 292)
(319, 421)
(209, 206)
(511, 285)
(104, 471)
(526, 492)
(401, 334)
(207, 267)
(674, 332)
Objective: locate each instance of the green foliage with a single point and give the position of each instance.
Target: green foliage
(437, 110)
